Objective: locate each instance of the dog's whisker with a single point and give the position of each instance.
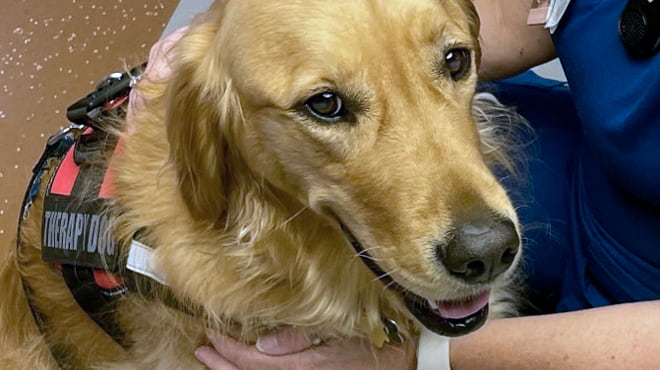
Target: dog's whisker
(364, 254)
(385, 275)
(371, 249)
(368, 257)
(293, 217)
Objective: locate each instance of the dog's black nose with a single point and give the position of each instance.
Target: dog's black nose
(480, 250)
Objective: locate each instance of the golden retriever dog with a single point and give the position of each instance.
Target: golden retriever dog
(314, 164)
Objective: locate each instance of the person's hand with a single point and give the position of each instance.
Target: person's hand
(286, 349)
(159, 68)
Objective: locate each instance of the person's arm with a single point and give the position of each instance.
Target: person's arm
(625, 336)
(509, 45)
(286, 349)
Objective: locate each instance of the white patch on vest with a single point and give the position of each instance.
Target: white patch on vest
(140, 260)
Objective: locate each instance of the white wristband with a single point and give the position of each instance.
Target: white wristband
(433, 351)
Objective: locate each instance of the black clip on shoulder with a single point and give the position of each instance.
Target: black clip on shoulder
(114, 86)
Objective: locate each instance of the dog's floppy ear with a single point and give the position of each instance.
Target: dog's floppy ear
(201, 105)
(468, 9)
(474, 24)
(473, 16)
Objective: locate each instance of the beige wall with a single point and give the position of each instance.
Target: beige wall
(53, 52)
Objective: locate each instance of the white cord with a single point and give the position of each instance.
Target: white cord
(433, 351)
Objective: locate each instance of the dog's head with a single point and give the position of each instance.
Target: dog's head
(361, 111)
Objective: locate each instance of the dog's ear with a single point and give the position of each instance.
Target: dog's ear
(474, 24)
(201, 107)
(468, 9)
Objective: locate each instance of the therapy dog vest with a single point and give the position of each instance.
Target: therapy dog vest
(75, 235)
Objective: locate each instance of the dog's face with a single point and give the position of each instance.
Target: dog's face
(360, 110)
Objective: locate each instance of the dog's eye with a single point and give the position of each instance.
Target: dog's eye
(326, 105)
(457, 62)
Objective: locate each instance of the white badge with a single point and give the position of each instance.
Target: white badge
(539, 12)
(547, 13)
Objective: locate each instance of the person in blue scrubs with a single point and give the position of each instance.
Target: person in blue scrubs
(594, 186)
(611, 215)
(591, 208)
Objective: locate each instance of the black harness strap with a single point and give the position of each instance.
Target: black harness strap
(94, 289)
(93, 300)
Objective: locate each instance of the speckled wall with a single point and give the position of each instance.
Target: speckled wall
(53, 52)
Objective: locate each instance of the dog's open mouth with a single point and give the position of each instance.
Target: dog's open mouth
(445, 317)
(449, 318)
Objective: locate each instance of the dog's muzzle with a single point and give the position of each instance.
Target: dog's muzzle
(448, 318)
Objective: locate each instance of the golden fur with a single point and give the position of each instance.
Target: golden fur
(241, 194)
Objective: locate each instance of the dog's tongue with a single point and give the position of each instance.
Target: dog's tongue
(460, 309)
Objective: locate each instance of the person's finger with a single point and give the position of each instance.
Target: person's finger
(223, 343)
(160, 63)
(246, 356)
(209, 357)
(284, 341)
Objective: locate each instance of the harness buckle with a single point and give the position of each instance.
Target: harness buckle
(114, 86)
(392, 330)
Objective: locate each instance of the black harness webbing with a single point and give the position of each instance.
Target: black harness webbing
(75, 238)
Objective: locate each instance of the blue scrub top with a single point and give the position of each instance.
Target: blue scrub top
(592, 205)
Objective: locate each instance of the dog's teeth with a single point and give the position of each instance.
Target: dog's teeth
(433, 304)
